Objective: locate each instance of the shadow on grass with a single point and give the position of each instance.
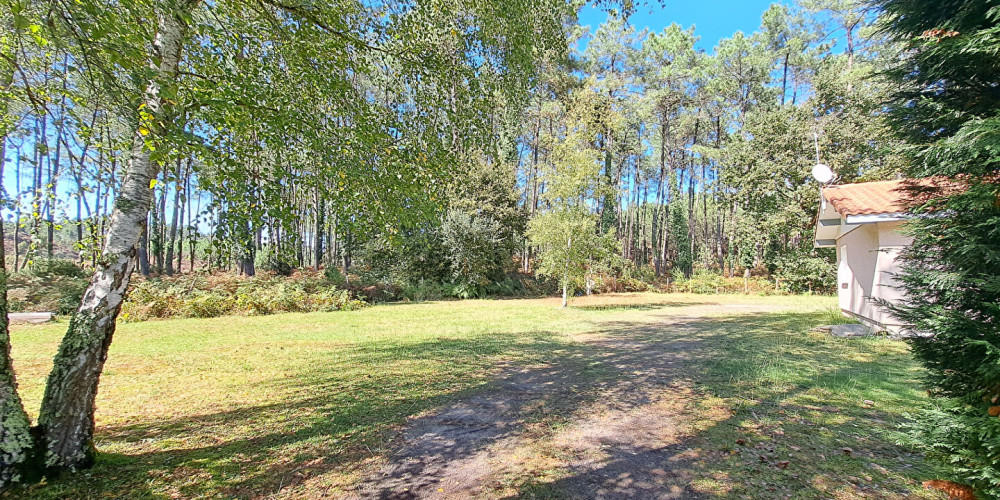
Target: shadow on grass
(641, 306)
(328, 419)
(797, 423)
(772, 377)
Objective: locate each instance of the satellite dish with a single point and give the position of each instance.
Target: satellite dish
(822, 173)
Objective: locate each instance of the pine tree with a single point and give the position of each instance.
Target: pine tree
(948, 110)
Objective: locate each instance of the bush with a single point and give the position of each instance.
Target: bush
(206, 305)
(334, 276)
(377, 292)
(802, 272)
(413, 255)
(49, 285)
(476, 252)
(277, 264)
(57, 268)
(426, 290)
(209, 296)
(708, 282)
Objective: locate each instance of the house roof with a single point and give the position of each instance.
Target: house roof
(888, 197)
(867, 198)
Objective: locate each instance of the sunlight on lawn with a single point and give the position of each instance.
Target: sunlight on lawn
(310, 403)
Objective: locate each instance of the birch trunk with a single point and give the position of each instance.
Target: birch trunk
(66, 418)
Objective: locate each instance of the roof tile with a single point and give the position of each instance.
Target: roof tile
(888, 197)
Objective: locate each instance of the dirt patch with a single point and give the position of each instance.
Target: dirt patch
(610, 425)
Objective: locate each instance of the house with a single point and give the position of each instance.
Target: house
(863, 221)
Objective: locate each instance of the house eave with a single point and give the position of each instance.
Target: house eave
(875, 218)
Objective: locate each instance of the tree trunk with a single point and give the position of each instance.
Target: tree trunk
(565, 281)
(36, 197)
(144, 250)
(183, 185)
(157, 234)
(66, 418)
(173, 218)
(784, 79)
(346, 254)
(318, 242)
(17, 209)
(193, 232)
(54, 166)
(850, 56)
(14, 423)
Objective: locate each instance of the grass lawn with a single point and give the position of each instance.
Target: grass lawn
(302, 405)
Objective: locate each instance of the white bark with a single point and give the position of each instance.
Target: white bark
(67, 413)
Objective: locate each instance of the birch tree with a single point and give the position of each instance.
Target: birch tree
(566, 231)
(206, 79)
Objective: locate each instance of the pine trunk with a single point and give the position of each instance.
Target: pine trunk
(318, 242)
(172, 241)
(144, 250)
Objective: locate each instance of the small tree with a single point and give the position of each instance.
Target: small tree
(566, 233)
(568, 241)
(683, 261)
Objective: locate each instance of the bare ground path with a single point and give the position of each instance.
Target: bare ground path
(611, 420)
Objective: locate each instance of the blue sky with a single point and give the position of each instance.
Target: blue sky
(713, 19)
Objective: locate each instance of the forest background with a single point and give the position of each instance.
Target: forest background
(671, 166)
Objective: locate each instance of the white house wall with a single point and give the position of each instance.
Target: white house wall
(857, 256)
(867, 262)
(891, 244)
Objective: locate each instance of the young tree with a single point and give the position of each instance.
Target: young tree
(566, 232)
(476, 249)
(948, 109)
(568, 241)
(680, 233)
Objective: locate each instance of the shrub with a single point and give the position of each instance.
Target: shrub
(427, 290)
(277, 264)
(475, 249)
(334, 276)
(57, 267)
(204, 304)
(807, 272)
(48, 285)
(208, 296)
(708, 282)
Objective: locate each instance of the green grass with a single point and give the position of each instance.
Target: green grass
(830, 407)
(308, 403)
